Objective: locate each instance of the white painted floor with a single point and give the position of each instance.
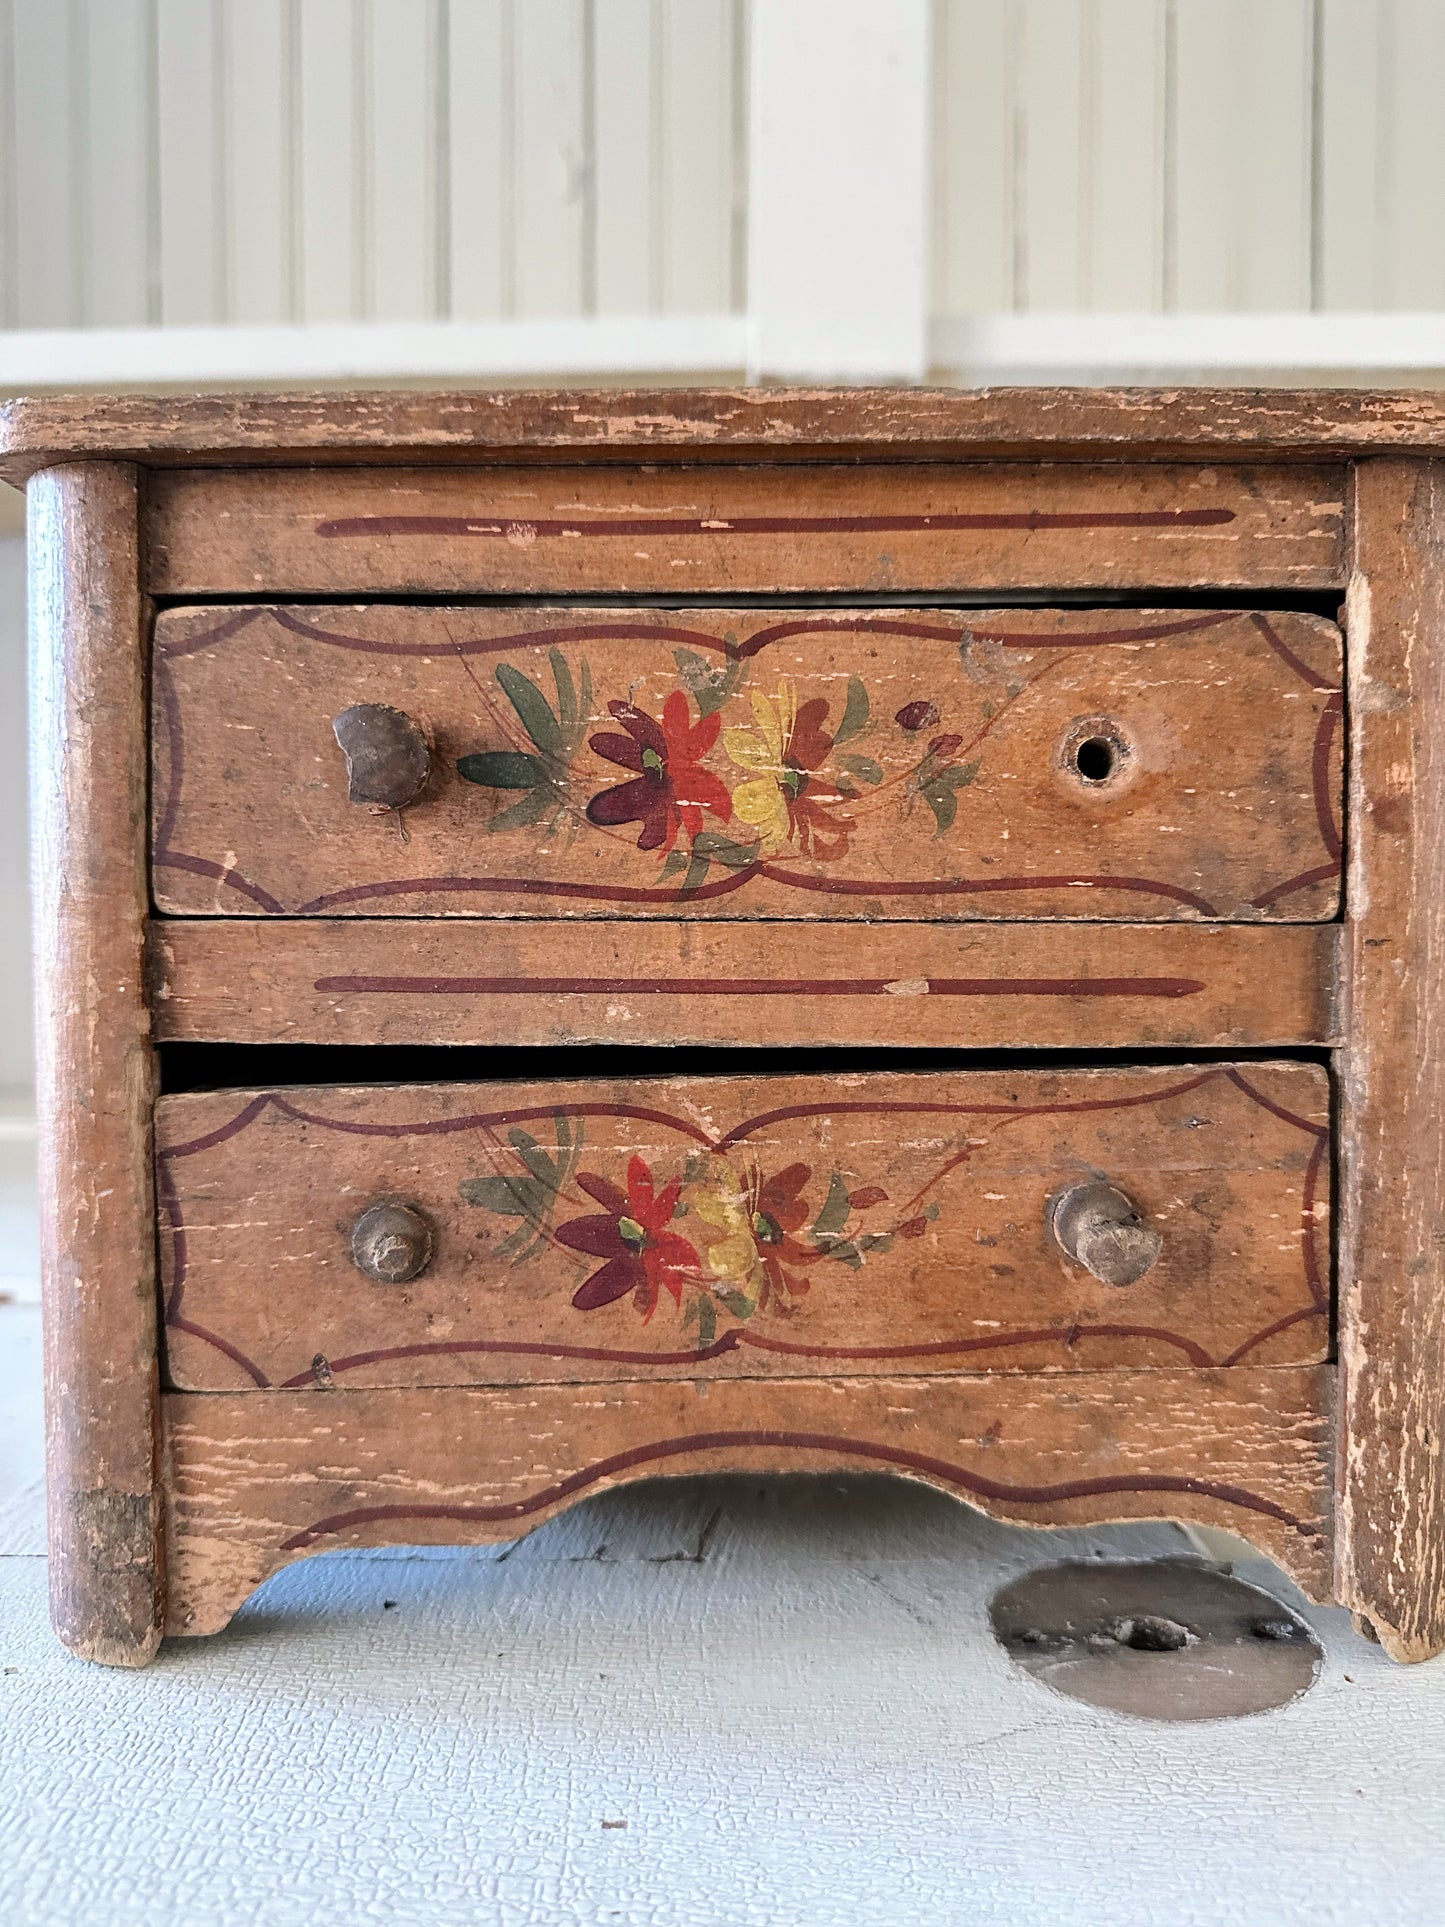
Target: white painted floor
(697, 1704)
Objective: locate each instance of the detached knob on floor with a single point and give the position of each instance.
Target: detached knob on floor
(1099, 1228)
(387, 758)
(392, 1242)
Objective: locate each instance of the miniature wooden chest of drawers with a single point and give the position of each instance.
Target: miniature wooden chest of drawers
(589, 937)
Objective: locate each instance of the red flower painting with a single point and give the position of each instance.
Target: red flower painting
(671, 788)
(631, 1234)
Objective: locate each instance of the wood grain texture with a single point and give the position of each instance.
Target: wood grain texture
(433, 980)
(760, 1226)
(766, 529)
(257, 1482)
(1392, 1121)
(883, 764)
(94, 1077)
(719, 424)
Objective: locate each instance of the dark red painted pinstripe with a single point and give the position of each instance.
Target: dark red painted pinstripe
(896, 1457)
(1168, 987)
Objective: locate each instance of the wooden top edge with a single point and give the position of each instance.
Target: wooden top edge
(713, 424)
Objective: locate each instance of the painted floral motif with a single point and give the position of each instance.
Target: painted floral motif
(630, 1234)
(542, 773)
(757, 1261)
(786, 798)
(671, 788)
(793, 780)
(749, 1240)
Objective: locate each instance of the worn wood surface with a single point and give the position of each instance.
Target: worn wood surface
(711, 529)
(259, 1482)
(730, 763)
(93, 1061)
(720, 424)
(755, 1226)
(434, 980)
(1392, 1116)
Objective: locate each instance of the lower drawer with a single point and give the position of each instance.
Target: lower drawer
(975, 1221)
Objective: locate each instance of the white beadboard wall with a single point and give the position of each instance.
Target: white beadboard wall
(1190, 156)
(264, 163)
(255, 162)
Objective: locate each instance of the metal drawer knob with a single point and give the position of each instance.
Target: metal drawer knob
(391, 1242)
(387, 758)
(1099, 1228)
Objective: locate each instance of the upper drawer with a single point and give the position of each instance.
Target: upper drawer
(878, 764)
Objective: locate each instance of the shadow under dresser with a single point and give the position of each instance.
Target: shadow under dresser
(587, 937)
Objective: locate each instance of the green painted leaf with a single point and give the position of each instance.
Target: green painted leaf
(502, 769)
(706, 1323)
(875, 1241)
(863, 767)
(709, 688)
(521, 1243)
(533, 708)
(738, 1303)
(696, 875)
(856, 713)
(676, 863)
(958, 776)
(566, 691)
(834, 1214)
(508, 1197)
(530, 810)
(941, 799)
(713, 847)
(535, 1158)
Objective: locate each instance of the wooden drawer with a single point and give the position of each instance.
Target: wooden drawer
(877, 764)
(777, 1227)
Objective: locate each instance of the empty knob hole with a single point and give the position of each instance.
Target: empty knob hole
(1096, 759)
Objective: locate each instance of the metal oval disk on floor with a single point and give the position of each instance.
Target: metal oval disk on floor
(1170, 1639)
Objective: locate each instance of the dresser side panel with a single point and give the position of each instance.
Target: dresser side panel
(1392, 1082)
(94, 1060)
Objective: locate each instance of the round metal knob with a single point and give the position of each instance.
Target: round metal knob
(1099, 1228)
(392, 1242)
(387, 758)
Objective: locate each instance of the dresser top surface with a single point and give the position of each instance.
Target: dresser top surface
(676, 424)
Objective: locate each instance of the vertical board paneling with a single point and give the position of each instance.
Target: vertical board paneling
(9, 293)
(1053, 176)
(198, 161)
(400, 182)
(480, 234)
(190, 91)
(973, 174)
(328, 93)
(263, 161)
(114, 161)
(1242, 154)
(628, 87)
(549, 156)
(1411, 204)
(49, 132)
(1122, 216)
(695, 106)
(260, 165)
(1350, 271)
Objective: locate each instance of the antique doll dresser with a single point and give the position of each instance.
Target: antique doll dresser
(586, 937)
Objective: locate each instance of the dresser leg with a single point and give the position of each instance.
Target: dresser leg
(1391, 1523)
(94, 1061)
